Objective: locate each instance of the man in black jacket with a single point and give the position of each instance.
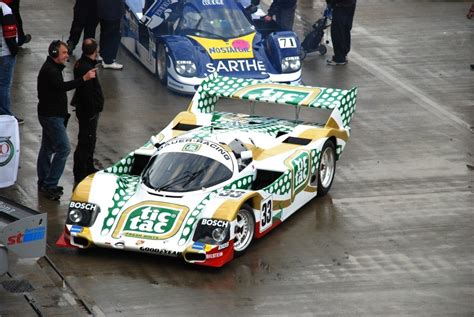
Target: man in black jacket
(284, 12)
(89, 102)
(53, 116)
(341, 26)
(110, 13)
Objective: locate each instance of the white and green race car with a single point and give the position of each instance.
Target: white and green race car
(211, 182)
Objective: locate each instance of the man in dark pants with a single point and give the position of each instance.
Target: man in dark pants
(284, 12)
(110, 13)
(85, 18)
(341, 26)
(53, 116)
(15, 6)
(89, 102)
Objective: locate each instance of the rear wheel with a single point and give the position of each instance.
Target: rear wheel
(327, 168)
(244, 230)
(162, 64)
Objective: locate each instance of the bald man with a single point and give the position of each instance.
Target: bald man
(89, 102)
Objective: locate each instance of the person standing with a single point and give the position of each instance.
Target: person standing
(341, 26)
(284, 12)
(110, 13)
(15, 6)
(53, 116)
(8, 51)
(84, 19)
(89, 102)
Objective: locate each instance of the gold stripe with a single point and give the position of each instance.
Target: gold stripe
(319, 133)
(185, 117)
(261, 154)
(179, 221)
(228, 209)
(279, 204)
(82, 190)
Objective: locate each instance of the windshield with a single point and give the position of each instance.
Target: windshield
(215, 22)
(184, 172)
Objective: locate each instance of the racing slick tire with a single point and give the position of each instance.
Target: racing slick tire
(162, 64)
(244, 230)
(327, 168)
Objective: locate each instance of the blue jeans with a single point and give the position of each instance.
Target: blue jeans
(54, 151)
(7, 64)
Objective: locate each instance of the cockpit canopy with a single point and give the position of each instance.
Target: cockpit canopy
(213, 19)
(184, 172)
(187, 164)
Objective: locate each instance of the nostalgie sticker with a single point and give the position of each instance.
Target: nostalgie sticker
(237, 48)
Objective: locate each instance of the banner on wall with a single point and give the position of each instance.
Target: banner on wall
(9, 150)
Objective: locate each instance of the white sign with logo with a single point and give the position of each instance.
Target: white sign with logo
(9, 150)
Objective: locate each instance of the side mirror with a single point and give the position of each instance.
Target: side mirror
(155, 141)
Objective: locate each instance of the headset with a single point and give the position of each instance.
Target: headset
(53, 49)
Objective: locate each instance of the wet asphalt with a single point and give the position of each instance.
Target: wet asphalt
(394, 237)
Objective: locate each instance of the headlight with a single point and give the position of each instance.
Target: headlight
(75, 216)
(219, 234)
(82, 213)
(212, 231)
(290, 64)
(186, 68)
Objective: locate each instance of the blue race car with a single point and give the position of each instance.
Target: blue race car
(183, 42)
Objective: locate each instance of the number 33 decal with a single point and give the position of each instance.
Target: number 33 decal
(266, 214)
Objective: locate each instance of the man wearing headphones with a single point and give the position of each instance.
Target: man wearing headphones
(53, 115)
(89, 102)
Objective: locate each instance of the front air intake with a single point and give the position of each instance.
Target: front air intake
(194, 257)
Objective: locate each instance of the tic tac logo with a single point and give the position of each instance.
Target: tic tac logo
(152, 220)
(301, 171)
(29, 235)
(7, 151)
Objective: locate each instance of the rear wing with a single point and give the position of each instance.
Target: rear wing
(341, 102)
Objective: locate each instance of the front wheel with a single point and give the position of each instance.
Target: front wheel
(327, 168)
(244, 230)
(162, 64)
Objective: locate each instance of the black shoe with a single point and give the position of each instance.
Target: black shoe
(24, 40)
(58, 189)
(52, 193)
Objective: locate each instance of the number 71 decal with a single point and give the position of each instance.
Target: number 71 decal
(266, 214)
(287, 42)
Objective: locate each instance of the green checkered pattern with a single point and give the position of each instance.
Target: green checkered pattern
(126, 188)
